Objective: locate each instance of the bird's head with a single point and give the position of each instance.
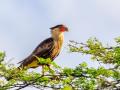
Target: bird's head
(58, 30)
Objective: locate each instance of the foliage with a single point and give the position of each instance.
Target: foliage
(82, 77)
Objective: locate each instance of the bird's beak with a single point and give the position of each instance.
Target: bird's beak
(66, 29)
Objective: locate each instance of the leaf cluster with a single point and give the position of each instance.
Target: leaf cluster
(82, 77)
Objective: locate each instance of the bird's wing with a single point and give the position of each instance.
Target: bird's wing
(41, 51)
(44, 47)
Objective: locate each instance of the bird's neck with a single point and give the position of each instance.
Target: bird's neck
(59, 40)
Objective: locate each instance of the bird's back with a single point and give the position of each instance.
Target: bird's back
(43, 50)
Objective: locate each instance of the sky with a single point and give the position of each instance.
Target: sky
(25, 23)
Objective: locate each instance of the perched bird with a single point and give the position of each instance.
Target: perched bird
(49, 48)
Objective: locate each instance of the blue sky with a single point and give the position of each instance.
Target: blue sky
(25, 23)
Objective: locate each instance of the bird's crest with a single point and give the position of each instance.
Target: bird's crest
(57, 26)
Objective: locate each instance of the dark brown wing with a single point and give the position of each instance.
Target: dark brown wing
(43, 50)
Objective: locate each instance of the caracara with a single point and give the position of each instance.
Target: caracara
(49, 48)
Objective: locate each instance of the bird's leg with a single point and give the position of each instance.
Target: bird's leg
(50, 70)
(42, 70)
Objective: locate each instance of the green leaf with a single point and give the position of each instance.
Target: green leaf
(2, 56)
(67, 87)
(67, 71)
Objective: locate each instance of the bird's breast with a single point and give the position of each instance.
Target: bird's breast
(57, 48)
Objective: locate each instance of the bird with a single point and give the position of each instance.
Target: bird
(49, 48)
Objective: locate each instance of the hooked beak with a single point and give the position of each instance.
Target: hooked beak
(66, 29)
